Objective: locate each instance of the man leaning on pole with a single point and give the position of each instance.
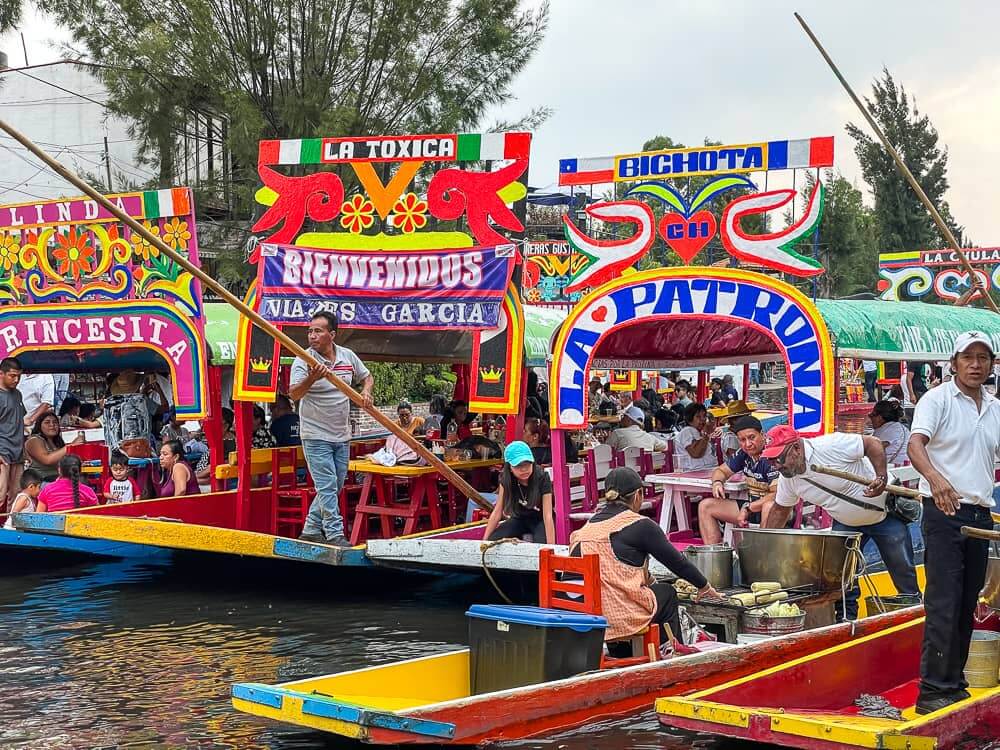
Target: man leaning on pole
(954, 441)
(324, 424)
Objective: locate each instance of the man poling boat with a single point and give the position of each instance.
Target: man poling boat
(954, 442)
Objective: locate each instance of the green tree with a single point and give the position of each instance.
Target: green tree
(902, 221)
(288, 69)
(848, 238)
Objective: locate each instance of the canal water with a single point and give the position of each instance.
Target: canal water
(123, 654)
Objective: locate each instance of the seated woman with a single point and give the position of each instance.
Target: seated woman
(67, 491)
(45, 447)
(178, 477)
(537, 436)
(886, 418)
(624, 541)
(524, 499)
(406, 420)
(70, 416)
(457, 413)
(262, 437)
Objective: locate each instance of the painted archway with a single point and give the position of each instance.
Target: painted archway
(123, 324)
(774, 316)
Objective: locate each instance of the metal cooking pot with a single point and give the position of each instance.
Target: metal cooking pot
(991, 591)
(715, 561)
(795, 557)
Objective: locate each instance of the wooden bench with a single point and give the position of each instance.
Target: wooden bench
(260, 463)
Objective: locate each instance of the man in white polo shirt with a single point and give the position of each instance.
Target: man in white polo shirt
(954, 441)
(854, 507)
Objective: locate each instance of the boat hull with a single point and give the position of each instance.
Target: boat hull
(336, 704)
(809, 702)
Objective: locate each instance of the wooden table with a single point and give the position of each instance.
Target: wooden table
(423, 495)
(698, 482)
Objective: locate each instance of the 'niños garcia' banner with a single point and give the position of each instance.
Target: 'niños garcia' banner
(440, 289)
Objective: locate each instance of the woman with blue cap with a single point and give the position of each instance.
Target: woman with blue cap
(524, 499)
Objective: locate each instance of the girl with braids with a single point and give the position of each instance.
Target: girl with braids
(67, 492)
(624, 542)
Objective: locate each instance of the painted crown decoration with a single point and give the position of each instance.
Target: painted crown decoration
(491, 375)
(260, 365)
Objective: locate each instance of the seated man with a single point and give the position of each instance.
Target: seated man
(624, 541)
(694, 443)
(761, 479)
(631, 435)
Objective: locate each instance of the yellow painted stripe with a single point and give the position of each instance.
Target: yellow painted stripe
(717, 713)
(854, 734)
(908, 255)
(170, 534)
(291, 713)
(394, 687)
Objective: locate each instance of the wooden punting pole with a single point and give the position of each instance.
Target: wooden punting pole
(286, 341)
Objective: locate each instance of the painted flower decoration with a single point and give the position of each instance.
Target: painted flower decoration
(358, 214)
(9, 250)
(176, 234)
(141, 246)
(409, 213)
(74, 253)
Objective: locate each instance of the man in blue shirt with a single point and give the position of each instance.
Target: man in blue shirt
(761, 479)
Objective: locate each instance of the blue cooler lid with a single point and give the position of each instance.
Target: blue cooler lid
(540, 616)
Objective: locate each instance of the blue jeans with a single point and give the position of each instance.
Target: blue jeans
(328, 465)
(892, 537)
(754, 376)
(871, 380)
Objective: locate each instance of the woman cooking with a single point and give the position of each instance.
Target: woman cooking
(624, 541)
(524, 499)
(178, 478)
(45, 447)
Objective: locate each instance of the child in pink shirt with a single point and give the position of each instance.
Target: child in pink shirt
(67, 492)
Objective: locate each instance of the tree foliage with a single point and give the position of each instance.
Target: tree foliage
(293, 69)
(902, 221)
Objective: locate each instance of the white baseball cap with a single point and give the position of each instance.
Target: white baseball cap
(635, 414)
(966, 340)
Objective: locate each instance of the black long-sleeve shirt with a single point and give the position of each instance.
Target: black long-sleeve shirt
(645, 538)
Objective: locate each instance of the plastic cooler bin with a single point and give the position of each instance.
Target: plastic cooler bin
(512, 646)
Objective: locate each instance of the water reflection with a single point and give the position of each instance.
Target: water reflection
(141, 656)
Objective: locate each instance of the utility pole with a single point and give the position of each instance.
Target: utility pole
(107, 163)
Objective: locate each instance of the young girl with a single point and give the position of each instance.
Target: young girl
(27, 498)
(524, 499)
(66, 492)
(120, 487)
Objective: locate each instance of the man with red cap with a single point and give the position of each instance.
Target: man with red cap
(854, 507)
(954, 441)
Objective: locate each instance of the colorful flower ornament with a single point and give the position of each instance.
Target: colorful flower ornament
(74, 253)
(409, 213)
(9, 250)
(142, 248)
(358, 214)
(176, 234)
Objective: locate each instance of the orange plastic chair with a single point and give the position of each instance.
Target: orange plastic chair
(588, 589)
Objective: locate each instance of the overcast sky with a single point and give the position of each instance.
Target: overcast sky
(617, 73)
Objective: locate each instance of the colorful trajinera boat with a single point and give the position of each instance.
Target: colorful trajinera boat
(428, 700)
(856, 694)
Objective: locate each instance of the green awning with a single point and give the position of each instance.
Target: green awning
(222, 324)
(882, 330)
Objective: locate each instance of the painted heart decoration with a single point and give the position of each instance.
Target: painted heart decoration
(687, 235)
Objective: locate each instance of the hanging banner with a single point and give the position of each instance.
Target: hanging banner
(624, 381)
(439, 289)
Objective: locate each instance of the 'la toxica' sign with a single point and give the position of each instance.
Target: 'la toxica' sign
(741, 298)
